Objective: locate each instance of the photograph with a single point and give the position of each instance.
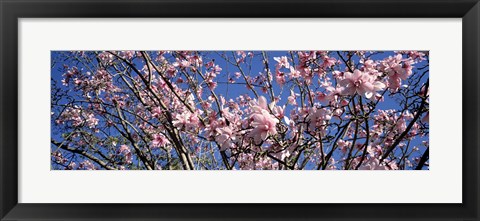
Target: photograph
(239, 110)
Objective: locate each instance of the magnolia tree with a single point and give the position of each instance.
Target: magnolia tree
(240, 110)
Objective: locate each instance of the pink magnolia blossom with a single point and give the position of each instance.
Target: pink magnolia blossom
(87, 165)
(328, 62)
(159, 140)
(294, 73)
(126, 152)
(343, 145)
(92, 121)
(318, 118)
(397, 69)
(282, 62)
(263, 123)
(361, 83)
(292, 98)
(322, 97)
(186, 120)
(156, 112)
(71, 165)
(374, 164)
(278, 111)
(225, 138)
(280, 78)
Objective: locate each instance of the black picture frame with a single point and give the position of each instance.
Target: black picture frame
(12, 10)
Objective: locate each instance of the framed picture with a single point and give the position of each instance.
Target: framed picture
(228, 110)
